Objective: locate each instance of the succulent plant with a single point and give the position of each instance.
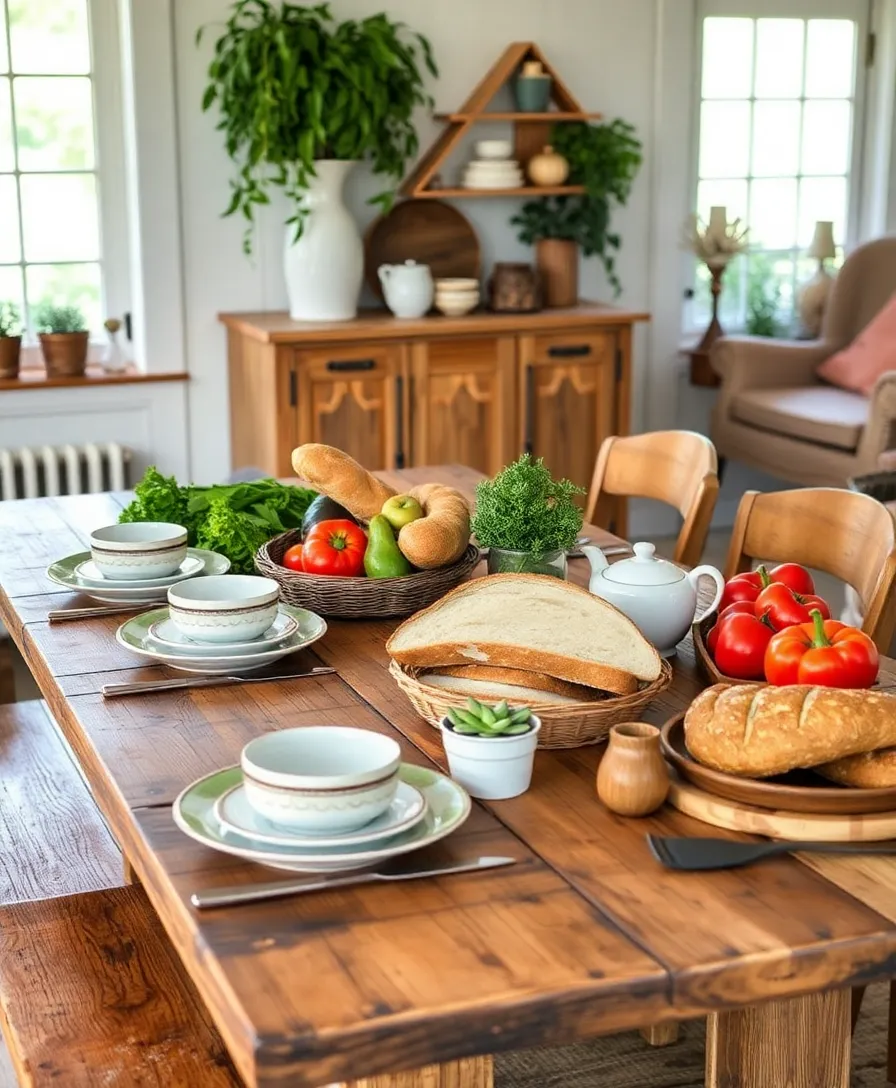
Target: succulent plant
(10, 319)
(49, 318)
(485, 721)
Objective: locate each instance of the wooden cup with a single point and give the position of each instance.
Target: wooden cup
(633, 779)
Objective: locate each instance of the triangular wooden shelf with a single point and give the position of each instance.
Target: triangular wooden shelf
(531, 131)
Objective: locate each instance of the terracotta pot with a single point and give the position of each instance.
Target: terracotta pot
(10, 348)
(633, 778)
(65, 353)
(558, 267)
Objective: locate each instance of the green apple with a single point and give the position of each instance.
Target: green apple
(401, 510)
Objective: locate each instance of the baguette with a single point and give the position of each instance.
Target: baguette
(761, 731)
(518, 678)
(869, 771)
(341, 478)
(532, 622)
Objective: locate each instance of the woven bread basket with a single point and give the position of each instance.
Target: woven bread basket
(359, 598)
(569, 725)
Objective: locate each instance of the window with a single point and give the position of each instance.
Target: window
(53, 146)
(778, 123)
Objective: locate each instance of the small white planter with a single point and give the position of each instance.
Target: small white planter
(491, 768)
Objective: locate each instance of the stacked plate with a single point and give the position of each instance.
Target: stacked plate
(216, 812)
(80, 573)
(493, 168)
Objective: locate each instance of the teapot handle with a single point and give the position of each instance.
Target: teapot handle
(716, 576)
(384, 272)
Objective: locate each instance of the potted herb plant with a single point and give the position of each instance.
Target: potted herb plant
(303, 98)
(605, 160)
(10, 339)
(63, 335)
(526, 519)
(491, 750)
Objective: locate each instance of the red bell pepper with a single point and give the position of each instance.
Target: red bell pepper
(738, 608)
(334, 547)
(740, 644)
(784, 608)
(823, 652)
(748, 586)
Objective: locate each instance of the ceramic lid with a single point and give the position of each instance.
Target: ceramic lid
(645, 569)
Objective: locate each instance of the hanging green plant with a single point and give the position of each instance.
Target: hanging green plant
(294, 85)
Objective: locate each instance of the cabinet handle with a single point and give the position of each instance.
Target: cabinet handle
(528, 440)
(293, 389)
(399, 421)
(569, 351)
(351, 364)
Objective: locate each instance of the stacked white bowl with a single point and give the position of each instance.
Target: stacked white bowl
(493, 167)
(456, 296)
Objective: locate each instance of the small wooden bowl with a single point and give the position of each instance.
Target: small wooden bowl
(705, 663)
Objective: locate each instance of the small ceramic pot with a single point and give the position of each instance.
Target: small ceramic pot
(224, 607)
(491, 768)
(533, 93)
(10, 349)
(547, 168)
(505, 561)
(633, 779)
(138, 549)
(321, 778)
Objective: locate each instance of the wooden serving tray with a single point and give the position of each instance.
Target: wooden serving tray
(799, 792)
(705, 663)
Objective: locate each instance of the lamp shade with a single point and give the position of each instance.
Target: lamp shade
(823, 248)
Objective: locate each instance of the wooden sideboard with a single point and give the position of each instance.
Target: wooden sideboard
(476, 390)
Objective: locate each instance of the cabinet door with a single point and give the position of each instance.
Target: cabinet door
(463, 402)
(353, 397)
(567, 385)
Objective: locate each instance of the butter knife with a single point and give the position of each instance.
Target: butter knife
(146, 687)
(60, 615)
(397, 869)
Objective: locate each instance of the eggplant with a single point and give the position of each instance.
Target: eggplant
(324, 508)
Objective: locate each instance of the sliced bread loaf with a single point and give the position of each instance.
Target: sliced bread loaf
(491, 691)
(512, 678)
(529, 621)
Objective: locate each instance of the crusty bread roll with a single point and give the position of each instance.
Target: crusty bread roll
(341, 478)
(441, 536)
(525, 678)
(869, 771)
(761, 731)
(532, 622)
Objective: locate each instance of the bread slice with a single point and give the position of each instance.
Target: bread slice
(518, 678)
(490, 691)
(529, 621)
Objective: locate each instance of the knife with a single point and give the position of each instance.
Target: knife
(398, 869)
(147, 687)
(59, 615)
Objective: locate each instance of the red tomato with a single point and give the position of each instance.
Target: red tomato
(292, 557)
(739, 607)
(742, 587)
(748, 586)
(335, 547)
(823, 652)
(794, 577)
(785, 608)
(740, 646)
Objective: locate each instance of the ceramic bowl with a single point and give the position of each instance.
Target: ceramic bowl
(456, 303)
(456, 284)
(139, 549)
(224, 608)
(321, 778)
(493, 149)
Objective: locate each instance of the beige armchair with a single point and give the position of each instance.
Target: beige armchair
(774, 413)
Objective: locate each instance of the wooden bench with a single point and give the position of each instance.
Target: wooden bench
(91, 991)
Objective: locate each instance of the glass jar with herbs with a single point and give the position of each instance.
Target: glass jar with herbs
(527, 520)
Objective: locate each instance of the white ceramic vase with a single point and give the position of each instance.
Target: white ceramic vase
(325, 267)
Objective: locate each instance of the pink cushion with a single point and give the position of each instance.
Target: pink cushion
(872, 353)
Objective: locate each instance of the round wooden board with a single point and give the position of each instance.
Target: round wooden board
(800, 826)
(428, 232)
(801, 791)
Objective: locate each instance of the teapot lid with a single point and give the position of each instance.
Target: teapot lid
(645, 569)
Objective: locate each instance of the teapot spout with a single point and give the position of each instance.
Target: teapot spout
(595, 557)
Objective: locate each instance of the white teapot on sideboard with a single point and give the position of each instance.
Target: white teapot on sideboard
(657, 595)
(407, 288)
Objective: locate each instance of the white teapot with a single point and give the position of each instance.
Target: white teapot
(657, 595)
(407, 288)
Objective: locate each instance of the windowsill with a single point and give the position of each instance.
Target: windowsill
(36, 378)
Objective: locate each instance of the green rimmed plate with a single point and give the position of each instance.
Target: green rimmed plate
(64, 573)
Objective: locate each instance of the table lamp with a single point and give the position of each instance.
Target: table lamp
(814, 296)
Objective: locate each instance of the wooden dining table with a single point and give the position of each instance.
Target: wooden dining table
(417, 985)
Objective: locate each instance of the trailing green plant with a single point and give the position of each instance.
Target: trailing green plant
(479, 720)
(524, 509)
(294, 85)
(605, 159)
(10, 320)
(49, 318)
(763, 299)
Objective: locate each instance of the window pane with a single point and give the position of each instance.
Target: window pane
(59, 217)
(724, 139)
(779, 58)
(776, 138)
(54, 123)
(11, 287)
(7, 154)
(822, 198)
(773, 214)
(4, 60)
(727, 58)
(830, 63)
(723, 194)
(826, 137)
(49, 36)
(67, 285)
(10, 249)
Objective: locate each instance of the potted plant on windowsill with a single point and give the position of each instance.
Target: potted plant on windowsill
(302, 100)
(526, 519)
(605, 160)
(491, 750)
(10, 339)
(63, 335)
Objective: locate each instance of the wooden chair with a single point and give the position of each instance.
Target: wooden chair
(844, 533)
(679, 468)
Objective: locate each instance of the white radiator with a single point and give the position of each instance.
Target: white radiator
(29, 473)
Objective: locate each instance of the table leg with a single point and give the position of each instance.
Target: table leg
(800, 1043)
(660, 1034)
(7, 677)
(467, 1073)
(891, 1039)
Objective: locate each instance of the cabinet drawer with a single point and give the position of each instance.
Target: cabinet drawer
(573, 347)
(348, 362)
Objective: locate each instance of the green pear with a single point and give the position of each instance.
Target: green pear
(383, 558)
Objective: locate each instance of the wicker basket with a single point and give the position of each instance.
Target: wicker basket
(570, 725)
(359, 598)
